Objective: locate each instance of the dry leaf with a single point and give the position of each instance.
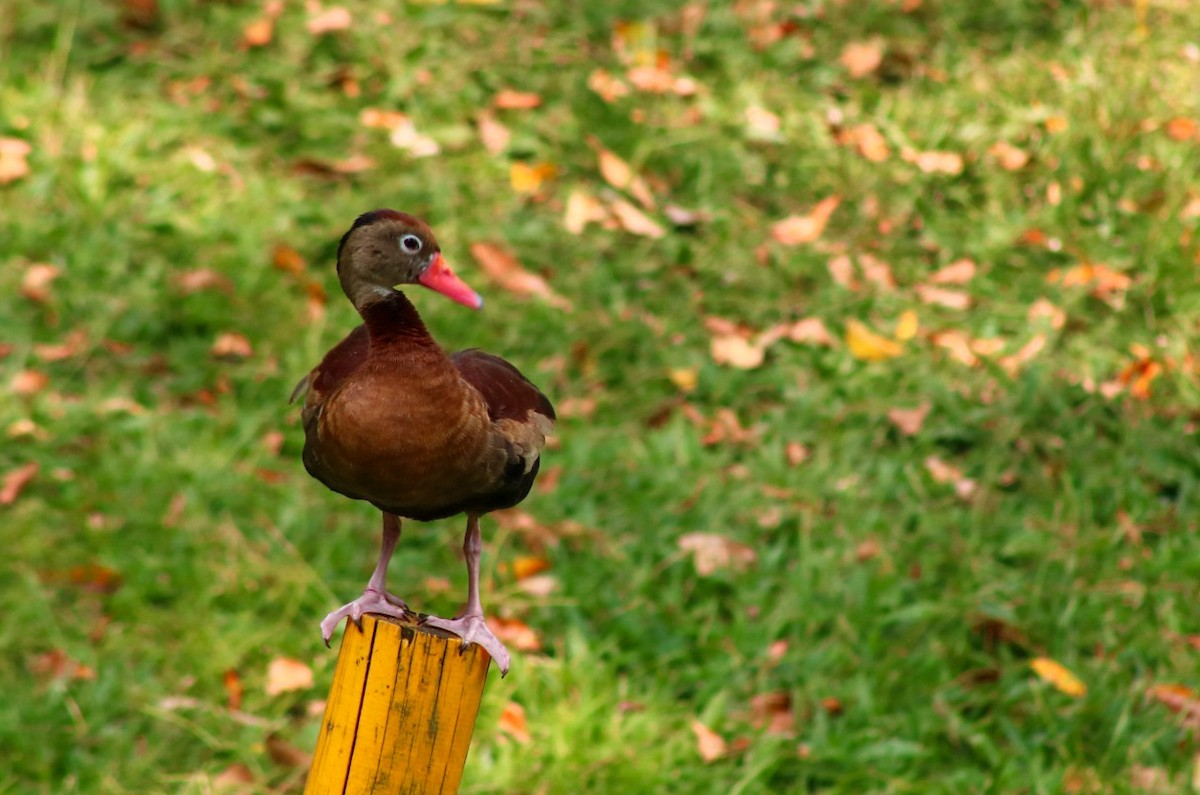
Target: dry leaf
(773, 712)
(259, 32)
(284, 753)
(1182, 129)
(329, 21)
(957, 272)
(539, 585)
(877, 272)
(494, 135)
(1044, 310)
(528, 565)
(35, 282)
(909, 421)
(504, 269)
(515, 633)
(234, 778)
(951, 299)
(712, 552)
(1178, 698)
(377, 119)
(711, 745)
(512, 722)
(1105, 283)
(620, 175)
(942, 472)
(56, 665)
(13, 165)
(725, 427)
(1010, 157)
(685, 378)
(608, 86)
(231, 346)
(287, 259)
(16, 480)
(526, 178)
(1056, 124)
(761, 124)
(867, 345)
(634, 221)
(810, 330)
(405, 136)
(1011, 364)
(861, 58)
(232, 681)
(1056, 674)
(841, 269)
(936, 162)
(957, 343)
(582, 209)
(75, 342)
(796, 453)
(796, 230)
(28, 382)
(508, 99)
(203, 279)
(869, 142)
(285, 675)
(735, 350)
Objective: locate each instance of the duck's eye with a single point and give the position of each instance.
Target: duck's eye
(410, 243)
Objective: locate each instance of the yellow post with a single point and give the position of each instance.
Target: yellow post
(400, 713)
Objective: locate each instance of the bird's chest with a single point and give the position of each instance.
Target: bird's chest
(414, 443)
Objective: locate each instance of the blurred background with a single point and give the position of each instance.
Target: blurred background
(869, 324)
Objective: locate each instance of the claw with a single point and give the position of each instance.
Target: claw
(473, 629)
(371, 601)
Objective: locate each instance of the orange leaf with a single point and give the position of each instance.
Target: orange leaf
(867, 345)
(861, 58)
(35, 282)
(957, 272)
(515, 633)
(503, 268)
(1182, 128)
(259, 32)
(1043, 310)
(841, 269)
(810, 330)
(233, 688)
(711, 745)
(712, 552)
(287, 259)
(528, 565)
(231, 346)
(735, 350)
(285, 674)
(28, 382)
(620, 175)
(16, 480)
(512, 722)
(936, 162)
(528, 179)
(582, 209)
(877, 272)
(634, 221)
(796, 230)
(329, 21)
(1010, 157)
(909, 421)
(508, 99)
(1058, 676)
(869, 142)
(907, 326)
(494, 135)
(951, 299)
(13, 152)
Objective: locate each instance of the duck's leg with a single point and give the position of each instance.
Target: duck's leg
(469, 624)
(375, 599)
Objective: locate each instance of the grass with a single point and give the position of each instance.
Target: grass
(908, 614)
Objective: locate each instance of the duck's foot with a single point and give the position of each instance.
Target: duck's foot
(472, 629)
(372, 601)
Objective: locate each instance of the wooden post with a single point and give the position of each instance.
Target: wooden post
(401, 711)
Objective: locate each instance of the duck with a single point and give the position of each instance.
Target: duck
(392, 419)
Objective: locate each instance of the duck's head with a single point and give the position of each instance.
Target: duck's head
(385, 250)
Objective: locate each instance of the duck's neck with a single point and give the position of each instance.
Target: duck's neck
(392, 320)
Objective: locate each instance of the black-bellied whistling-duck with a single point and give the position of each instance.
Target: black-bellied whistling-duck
(390, 418)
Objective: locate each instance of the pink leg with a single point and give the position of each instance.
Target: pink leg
(375, 599)
(469, 625)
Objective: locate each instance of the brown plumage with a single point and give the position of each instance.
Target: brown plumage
(390, 418)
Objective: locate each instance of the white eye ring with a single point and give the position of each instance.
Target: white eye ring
(410, 243)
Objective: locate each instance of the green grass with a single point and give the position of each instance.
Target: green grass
(925, 643)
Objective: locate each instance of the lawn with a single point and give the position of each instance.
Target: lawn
(870, 326)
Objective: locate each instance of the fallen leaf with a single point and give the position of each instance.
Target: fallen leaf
(1178, 698)
(1044, 310)
(861, 58)
(509, 99)
(513, 723)
(685, 378)
(620, 174)
(957, 272)
(232, 681)
(1056, 124)
(494, 135)
(1008, 156)
(608, 86)
(285, 675)
(796, 230)
(1182, 129)
(777, 650)
(796, 453)
(1105, 283)
(725, 427)
(907, 326)
(233, 777)
(287, 259)
(812, 331)
(375, 118)
(1058, 676)
(331, 169)
(582, 209)
(942, 472)
(329, 21)
(877, 272)
(405, 136)
(35, 282)
(841, 270)
(936, 162)
(504, 269)
(909, 421)
(951, 299)
(526, 178)
(259, 32)
(773, 712)
(284, 753)
(528, 565)
(957, 343)
(75, 343)
(761, 124)
(539, 585)
(735, 350)
(634, 221)
(231, 346)
(203, 279)
(13, 165)
(711, 745)
(869, 142)
(867, 345)
(683, 217)
(1011, 364)
(28, 382)
(515, 633)
(56, 665)
(712, 552)
(16, 480)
